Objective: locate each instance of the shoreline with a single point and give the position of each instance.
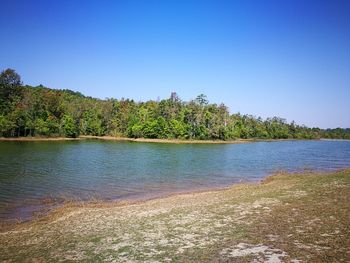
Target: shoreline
(52, 211)
(275, 217)
(37, 139)
(146, 140)
(172, 141)
(55, 207)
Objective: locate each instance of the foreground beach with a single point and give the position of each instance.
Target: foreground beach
(286, 218)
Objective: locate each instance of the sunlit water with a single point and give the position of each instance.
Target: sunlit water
(31, 173)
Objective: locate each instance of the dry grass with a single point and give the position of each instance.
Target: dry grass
(288, 218)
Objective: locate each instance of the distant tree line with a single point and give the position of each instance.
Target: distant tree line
(40, 111)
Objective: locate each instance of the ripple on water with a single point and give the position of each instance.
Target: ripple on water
(31, 172)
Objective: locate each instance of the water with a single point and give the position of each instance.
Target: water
(33, 173)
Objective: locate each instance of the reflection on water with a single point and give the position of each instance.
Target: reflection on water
(33, 172)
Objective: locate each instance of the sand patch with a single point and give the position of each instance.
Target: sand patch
(259, 253)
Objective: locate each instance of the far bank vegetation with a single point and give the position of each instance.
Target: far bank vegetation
(40, 111)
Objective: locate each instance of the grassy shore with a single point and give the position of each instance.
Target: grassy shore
(286, 218)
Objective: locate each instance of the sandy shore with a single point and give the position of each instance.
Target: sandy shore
(111, 138)
(175, 141)
(287, 218)
(34, 139)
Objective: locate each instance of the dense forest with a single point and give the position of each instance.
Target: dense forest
(40, 111)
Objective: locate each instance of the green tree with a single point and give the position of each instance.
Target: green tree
(10, 82)
(202, 100)
(41, 127)
(6, 126)
(69, 127)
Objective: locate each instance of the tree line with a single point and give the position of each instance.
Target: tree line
(40, 111)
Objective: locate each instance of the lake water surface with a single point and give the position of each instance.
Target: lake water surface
(32, 173)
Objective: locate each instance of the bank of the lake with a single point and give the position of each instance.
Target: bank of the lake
(287, 218)
(36, 139)
(174, 141)
(126, 139)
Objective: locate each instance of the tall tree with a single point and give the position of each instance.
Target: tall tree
(10, 83)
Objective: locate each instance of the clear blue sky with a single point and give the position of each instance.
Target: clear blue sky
(289, 58)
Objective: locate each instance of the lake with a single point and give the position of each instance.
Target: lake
(35, 173)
